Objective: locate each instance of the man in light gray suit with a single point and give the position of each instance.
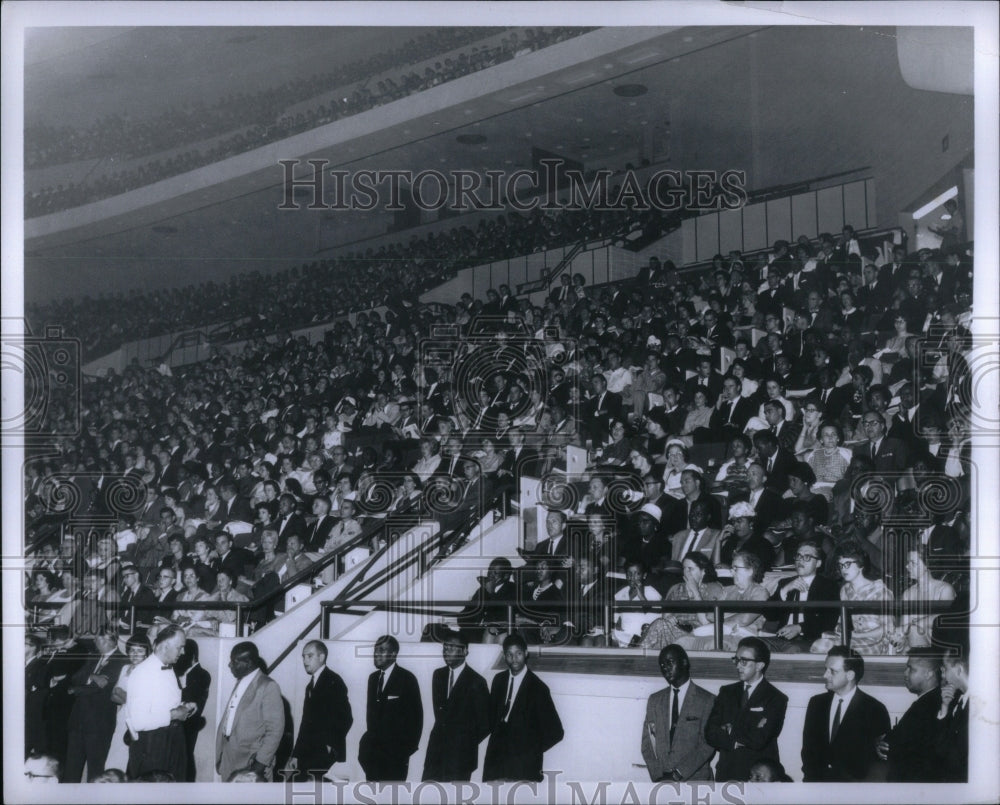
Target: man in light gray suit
(253, 721)
(673, 734)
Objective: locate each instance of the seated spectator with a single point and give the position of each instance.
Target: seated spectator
(701, 583)
(809, 437)
(630, 627)
(678, 458)
(748, 573)
(541, 609)
(485, 618)
(196, 622)
(732, 475)
(915, 626)
(429, 460)
(870, 631)
(800, 482)
(828, 459)
(740, 535)
(224, 591)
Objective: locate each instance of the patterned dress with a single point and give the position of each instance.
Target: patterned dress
(669, 627)
(869, 630)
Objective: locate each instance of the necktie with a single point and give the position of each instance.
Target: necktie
(381, 683)
(552, 547)
(874, 450)
(836, 721)
(309, 688)
(674, 713)
(794, 596)
(510, 699)
(689, 545)
(745, 697)
(451, 680)
(732, 410)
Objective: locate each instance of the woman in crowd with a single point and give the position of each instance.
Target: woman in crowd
(701, 583)
(738, 535)
(408, 495)
(491, 459)
(429, 460)
(598, 544)
(809, 438)
(800, 483)
(732, 474)
(698, 417)
(677, 460)
(617, 448)
(224, 591)
(829, 461)
(640, 463)
(211, 513)
(194, 621)
(204, 560)
(178, 558)
(870, 631)
(774, 389)
(915, 626)
(137, 649)
(630, 627)
(748, 573)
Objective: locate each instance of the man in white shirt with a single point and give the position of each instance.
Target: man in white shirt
(154, 711)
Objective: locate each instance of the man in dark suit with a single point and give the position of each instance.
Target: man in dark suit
(395, 717)
(844, 725)
(732, 412)
(134, 594)
(705, 380)
(461, 715)
(289, 522)
(92, 719)
(603, 407)
(524, 723)
(887, 454)
(326, 716)
(317, 533)
(775, 460)
(797, 629)
(234, 561)
(787, 433)
(233, 506)
(194, 682)
(952, 739)
(673, 734)
(747, 716)
(909, 747)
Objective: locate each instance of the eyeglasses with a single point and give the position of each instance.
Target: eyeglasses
(804, 557)
(811, 410)
(743, 660)
(32, 776)
(870, 422)
(845, 564)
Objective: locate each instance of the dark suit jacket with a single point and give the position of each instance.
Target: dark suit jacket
(316, 534)
(721, 424)
(912, 755)
(784, 461)
(813, 621)
(598, 417)
(93, 709)
(196, 685)
(688, 752)
(326, 718)
(952, 745)
(394, 724)
(237, 509)
(461, 721)
(755, 728)
(850, 757)
(296, 525)
(517, 745)
(237, 562)
(892, 455)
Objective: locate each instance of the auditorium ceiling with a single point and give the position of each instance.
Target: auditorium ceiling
(782, 104)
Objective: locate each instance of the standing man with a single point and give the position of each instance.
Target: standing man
(395, 716)
(844, 725)
(461, 715)
(92, 719)
(524, 721)
(155, 712)
(952, 741)
(747, 716)
(909, 747)
(253, 722)
(326, 716)
(673, 735)
(195, 682)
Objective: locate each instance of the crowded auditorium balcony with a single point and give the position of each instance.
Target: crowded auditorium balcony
(729, 439)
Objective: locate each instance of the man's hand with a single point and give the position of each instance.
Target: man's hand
(882, 748)
(790, 632)
(292, 764)
(180, 713)
(101, 680)
(256, 765)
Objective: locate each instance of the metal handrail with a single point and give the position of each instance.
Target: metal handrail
(717, 607)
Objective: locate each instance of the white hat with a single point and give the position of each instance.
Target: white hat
(693, 468)
(653, 341)
(652, 510)
(741, 509)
